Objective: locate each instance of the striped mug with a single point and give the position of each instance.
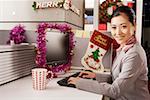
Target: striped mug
(39, 78)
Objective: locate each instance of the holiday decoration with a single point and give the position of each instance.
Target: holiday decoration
(41, 46)
(17, 35)
(104, 15)
(66, 4)
(97, 48)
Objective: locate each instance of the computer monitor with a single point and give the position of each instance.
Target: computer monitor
(57, 47)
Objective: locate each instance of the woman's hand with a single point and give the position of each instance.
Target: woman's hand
(83, 74)
(73, 80)
(87, 74)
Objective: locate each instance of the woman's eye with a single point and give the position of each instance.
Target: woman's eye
(124, 26)
(113, 27)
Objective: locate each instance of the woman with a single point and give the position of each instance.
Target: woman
(129, 69)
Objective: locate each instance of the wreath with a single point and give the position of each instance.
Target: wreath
(41, 47)
(104, 16)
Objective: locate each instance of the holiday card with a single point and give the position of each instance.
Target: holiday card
(98, 45)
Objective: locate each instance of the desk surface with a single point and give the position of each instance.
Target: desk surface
(22, 90)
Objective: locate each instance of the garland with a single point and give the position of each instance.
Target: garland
(41, 46)
(104, 16)
(17, 35)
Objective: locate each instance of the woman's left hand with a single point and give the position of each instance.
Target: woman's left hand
(73, 80)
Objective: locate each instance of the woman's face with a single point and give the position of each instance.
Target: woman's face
(121, 29)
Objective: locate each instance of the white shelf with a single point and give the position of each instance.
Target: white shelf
(16, 61)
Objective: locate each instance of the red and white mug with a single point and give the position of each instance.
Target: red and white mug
(39, 78)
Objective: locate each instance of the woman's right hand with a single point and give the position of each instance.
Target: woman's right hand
(87, 74)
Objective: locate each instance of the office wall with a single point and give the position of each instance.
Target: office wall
(13, 12)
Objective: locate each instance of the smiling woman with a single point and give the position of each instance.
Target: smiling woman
(129, 68)
(123, 29)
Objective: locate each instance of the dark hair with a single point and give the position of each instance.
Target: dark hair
(126, 10)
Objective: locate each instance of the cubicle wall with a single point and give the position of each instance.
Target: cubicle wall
(79, 50)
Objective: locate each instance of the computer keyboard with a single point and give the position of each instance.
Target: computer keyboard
(64, 81)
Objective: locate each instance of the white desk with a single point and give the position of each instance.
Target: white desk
(22, 90)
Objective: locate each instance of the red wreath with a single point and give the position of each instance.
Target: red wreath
(104, 17)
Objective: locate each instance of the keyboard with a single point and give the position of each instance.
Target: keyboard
(64, 81)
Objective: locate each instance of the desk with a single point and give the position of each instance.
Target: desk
(21, 89)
